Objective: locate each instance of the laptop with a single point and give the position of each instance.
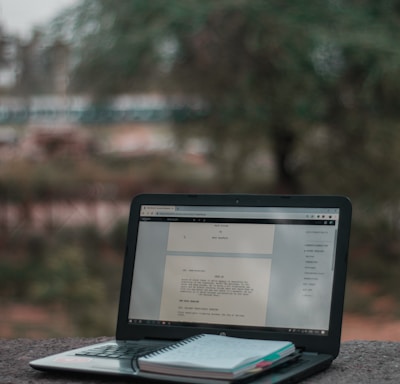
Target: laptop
(250, 266)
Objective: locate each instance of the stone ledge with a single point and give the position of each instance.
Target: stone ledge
(358, 362)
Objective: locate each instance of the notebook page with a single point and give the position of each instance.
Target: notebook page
(218, 352)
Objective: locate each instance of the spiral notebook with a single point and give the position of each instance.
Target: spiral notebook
(262, 267)
(216, 357)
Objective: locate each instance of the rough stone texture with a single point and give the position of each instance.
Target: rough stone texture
(358, 362)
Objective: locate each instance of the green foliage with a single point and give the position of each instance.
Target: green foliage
(77, 270)
(117, 236)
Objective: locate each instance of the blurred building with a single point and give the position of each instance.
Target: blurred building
(34, 94)
(9, 62)
(44, 68)
(35, 67)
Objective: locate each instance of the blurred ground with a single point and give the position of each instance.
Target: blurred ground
(27, 320)
(356, 327)
(34, 322)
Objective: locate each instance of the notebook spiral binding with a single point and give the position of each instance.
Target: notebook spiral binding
(134, 361)
(171, 347)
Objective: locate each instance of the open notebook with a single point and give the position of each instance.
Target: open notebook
(251, 266)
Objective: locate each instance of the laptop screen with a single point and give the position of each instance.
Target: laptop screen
(267, 268)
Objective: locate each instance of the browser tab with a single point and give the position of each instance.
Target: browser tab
(157, 210)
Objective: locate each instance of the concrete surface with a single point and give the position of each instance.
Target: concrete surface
(358, 362)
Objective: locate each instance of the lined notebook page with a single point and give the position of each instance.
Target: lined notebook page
(217, 352)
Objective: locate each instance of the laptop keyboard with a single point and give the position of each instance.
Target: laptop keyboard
(113, 351)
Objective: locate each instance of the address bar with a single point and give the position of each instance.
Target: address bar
(227, 214)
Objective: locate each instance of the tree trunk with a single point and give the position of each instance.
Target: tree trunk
(284, 143)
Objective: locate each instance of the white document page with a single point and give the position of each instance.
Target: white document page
(223, 290)
(216, 289)
(221, 237)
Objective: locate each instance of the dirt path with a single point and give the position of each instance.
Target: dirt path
(24, 320)
(357, 327)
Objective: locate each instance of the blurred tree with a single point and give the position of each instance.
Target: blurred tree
(3, 42)
(315, 83)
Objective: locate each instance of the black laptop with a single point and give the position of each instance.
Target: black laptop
(251, 266)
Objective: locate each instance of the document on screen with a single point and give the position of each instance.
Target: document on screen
(220, 290)
(221, 238)
(227, 282)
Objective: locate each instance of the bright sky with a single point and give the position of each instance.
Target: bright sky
(20, 16)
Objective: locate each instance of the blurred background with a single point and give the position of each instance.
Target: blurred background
(101, 100)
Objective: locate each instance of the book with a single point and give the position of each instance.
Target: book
(216, 357)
